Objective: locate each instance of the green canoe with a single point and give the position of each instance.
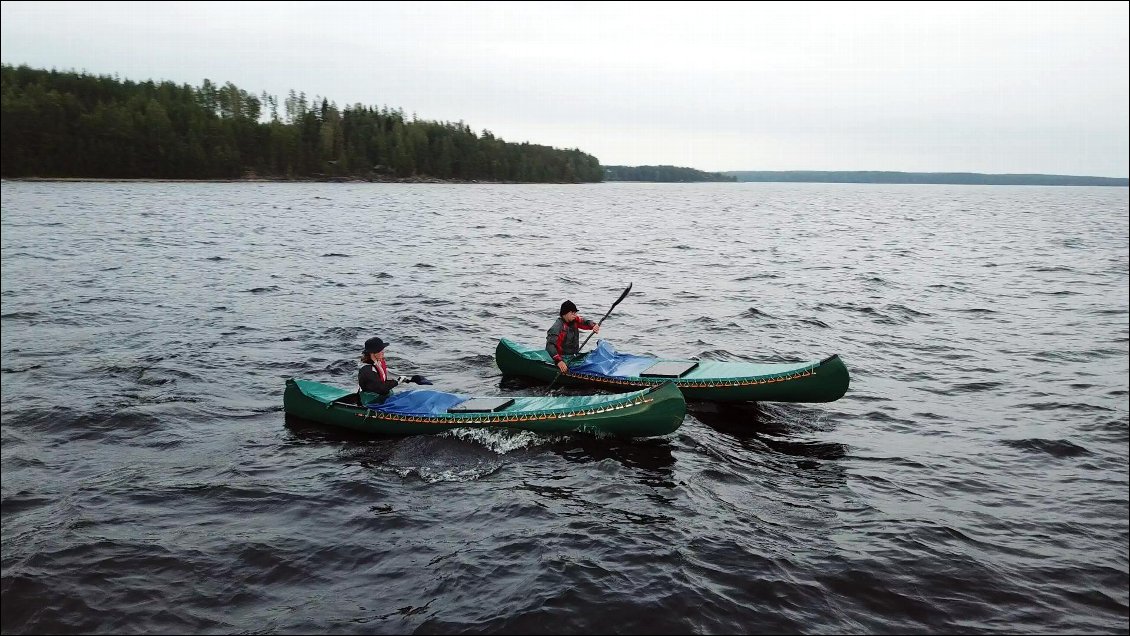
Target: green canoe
(823, 381)
(657, 410)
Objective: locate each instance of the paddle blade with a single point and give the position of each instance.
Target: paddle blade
(622, 297)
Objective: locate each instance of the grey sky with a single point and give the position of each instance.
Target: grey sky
(982, 87)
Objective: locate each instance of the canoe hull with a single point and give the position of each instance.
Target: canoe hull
(656, 411)
(823, 381)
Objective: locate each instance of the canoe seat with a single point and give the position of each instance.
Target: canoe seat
(352, 399)
(668, 369)
(481, 405)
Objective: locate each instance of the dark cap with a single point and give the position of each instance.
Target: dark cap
(566, 307)
(375, 345)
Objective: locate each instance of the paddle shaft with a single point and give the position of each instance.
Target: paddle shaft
(609, 313)
(599, 323)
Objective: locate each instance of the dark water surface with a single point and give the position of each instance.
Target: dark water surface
(974, 478)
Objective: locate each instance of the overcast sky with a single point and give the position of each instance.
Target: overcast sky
(932, 87)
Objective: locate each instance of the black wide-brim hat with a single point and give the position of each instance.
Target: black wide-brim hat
(375, 345)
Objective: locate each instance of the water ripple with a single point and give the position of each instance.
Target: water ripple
(973, 480)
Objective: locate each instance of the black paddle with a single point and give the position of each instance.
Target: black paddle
(558, 376)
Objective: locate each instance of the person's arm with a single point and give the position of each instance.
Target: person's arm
(587, 325)
(384, 386)
(370, 381)
(554, 341)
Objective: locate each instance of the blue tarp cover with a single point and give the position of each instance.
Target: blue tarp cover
(605, 361)
(418, 402)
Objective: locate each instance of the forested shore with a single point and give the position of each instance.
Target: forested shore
(64, 124)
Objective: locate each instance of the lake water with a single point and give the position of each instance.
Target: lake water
(973, 479)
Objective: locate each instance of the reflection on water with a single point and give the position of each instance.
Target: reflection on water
(651, 460)
(753, 426)
(303, 430)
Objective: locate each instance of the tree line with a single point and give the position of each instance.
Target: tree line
(666, 174)
(70, 124)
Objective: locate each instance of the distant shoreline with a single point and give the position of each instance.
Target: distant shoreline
(922, 178)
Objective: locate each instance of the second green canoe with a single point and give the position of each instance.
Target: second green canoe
(822, 381)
